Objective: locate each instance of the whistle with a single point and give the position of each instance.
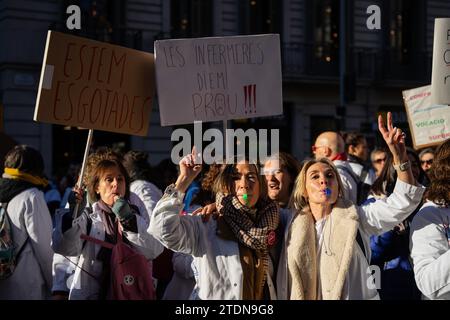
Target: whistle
(245, 197)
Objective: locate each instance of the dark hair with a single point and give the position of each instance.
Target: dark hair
(226, 178)
(292, 166)
(352, 139)
(98, 170)
(137, 166)
(165, 173)
(26, 159)
(385, 183)
(288, 163)
(439, 190)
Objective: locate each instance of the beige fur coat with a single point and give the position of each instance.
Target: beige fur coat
(339, 237)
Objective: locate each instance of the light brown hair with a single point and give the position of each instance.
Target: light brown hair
(97, 172)
(439, 190)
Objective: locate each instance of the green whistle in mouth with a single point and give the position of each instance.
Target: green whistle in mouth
(245, 197)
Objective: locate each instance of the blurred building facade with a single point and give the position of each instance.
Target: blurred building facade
(380, 63)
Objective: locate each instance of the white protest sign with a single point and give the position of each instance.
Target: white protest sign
(96, 85)
(429, 123)
(440, 80)
(221, 78)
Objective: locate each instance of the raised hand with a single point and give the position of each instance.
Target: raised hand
(206, 212)
(394, 138)
(190, 167)
(76, 200)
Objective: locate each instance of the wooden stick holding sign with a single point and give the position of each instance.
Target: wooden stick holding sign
(225, 138)
(83, 167)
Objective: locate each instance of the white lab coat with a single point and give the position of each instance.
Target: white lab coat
(31, 225)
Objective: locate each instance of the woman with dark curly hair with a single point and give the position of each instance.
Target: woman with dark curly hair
(430, 232)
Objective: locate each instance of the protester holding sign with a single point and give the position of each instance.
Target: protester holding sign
(328, 251)
(430, 233)
(230, 252)
(108, 184)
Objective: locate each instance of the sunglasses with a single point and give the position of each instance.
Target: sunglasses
(379, 160)
(426, 161)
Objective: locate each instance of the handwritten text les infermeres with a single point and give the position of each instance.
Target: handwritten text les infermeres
(212, 95)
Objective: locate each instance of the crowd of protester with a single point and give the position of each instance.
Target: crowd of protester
(281, 228)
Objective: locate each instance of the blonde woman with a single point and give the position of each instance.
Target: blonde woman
(326, 249)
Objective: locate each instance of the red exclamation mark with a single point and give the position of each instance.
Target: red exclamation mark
(250, 88)
(245, 99)
(254, 97)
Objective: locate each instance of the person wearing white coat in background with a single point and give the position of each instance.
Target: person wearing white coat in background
(138, 168)
(430, 231)
(31, 226)
(321, 257)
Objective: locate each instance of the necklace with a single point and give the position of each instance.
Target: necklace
(327, 248)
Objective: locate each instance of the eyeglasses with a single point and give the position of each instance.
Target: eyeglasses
(426, 161)
(314, 148)
(379, 160)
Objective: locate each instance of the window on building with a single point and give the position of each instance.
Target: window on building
(326, 30)
(400, 25)
(260, 16)
(101, 20)
(191, 18)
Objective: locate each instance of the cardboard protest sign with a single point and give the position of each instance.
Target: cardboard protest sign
(440, 80)
(222, 78)
(95, 85)
(429, 123)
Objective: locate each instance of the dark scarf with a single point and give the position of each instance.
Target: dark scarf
(253, 229)
(9, 188)
(108, 218)
(109, 221)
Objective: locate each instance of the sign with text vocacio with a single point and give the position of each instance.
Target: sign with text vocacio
(95, 85)
(213, 79)
(429, 123)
